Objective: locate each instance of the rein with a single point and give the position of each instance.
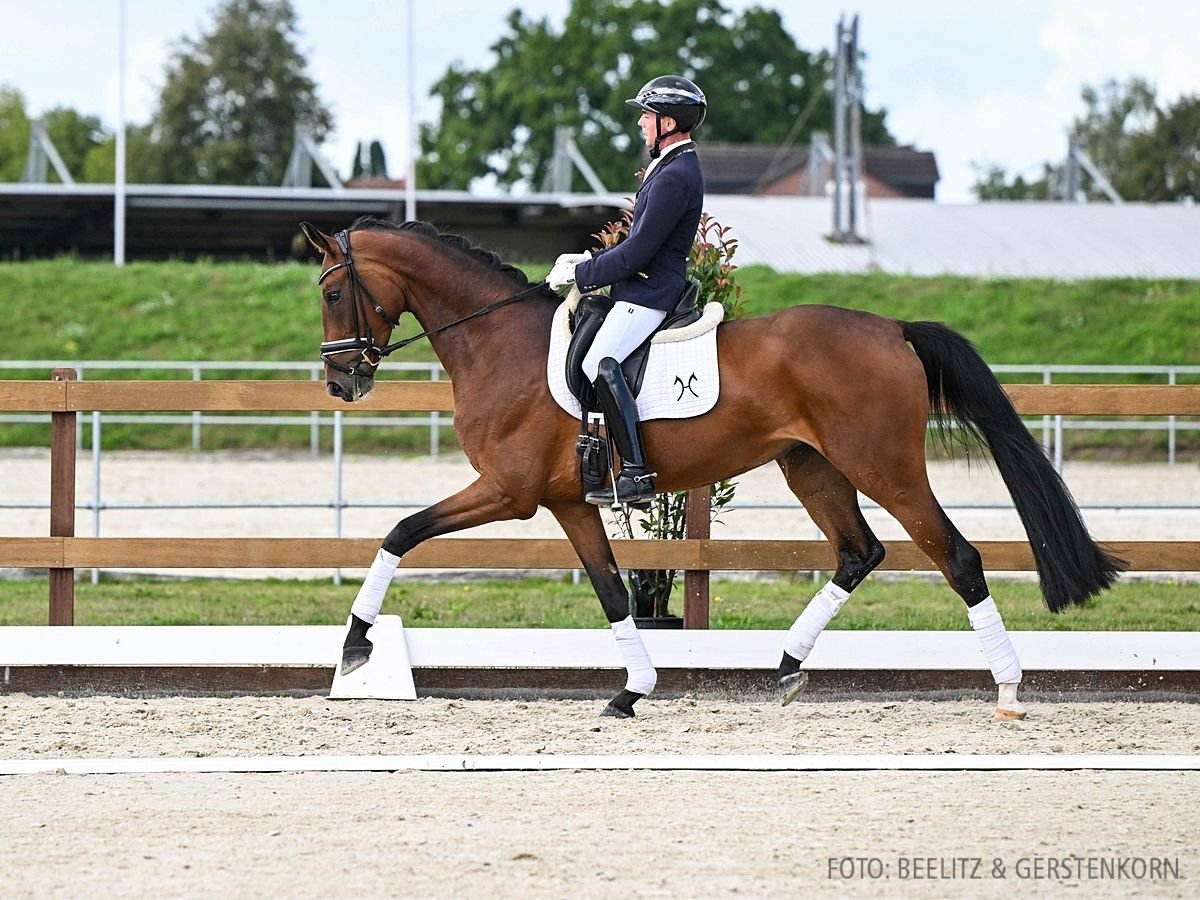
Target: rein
(365, 344)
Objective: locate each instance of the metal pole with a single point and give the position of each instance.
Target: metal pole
(62, 504)
(337, 484)
(854, 153)
(96, 447)
(119, 186)
(1046, 379)
(314, 428)
(1171, 426)
(196, 416)
(1058, 444)
(410, 176)
(839, 129)
(435, 420)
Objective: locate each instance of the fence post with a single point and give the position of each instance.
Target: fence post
(62, 503)
(697, 511)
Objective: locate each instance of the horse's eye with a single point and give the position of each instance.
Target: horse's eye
(333, 296)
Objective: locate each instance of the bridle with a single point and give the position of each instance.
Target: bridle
(363, 343)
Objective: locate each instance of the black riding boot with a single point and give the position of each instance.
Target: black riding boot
(635, 485)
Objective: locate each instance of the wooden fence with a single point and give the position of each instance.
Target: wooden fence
(62, 553)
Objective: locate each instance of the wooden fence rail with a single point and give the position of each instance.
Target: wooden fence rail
(696, 555)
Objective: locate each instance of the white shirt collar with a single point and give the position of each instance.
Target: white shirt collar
(666, 150)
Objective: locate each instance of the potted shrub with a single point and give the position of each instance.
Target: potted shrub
(711, 264)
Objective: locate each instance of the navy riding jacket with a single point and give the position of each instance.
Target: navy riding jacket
(649, 267)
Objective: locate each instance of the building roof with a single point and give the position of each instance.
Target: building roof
(221, 222)
(1010, 239)
(743, 168)
(916, 237)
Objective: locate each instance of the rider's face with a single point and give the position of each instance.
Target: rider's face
(648, 123)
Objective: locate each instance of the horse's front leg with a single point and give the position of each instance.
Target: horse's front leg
(585, 530)
(482, 502)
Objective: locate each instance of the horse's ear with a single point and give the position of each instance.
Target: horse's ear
(321, 242)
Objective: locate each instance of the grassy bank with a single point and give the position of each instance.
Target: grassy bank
(237, 311)
(72, 310)
(879, 604)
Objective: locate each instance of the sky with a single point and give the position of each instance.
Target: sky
(978, 82)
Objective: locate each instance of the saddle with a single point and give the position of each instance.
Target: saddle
(585, 321)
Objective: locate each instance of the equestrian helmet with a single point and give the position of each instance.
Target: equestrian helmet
(674, 96)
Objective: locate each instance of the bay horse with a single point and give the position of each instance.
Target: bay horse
(839, 399)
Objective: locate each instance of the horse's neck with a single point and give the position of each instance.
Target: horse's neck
(500, 337)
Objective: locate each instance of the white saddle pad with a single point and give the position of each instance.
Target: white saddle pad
(681, 377)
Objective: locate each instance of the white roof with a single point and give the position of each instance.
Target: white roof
(920, 237)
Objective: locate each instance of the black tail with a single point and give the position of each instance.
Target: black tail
(963, 390)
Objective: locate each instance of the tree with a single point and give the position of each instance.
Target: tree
(75, 136)
(1165, 162)
(501, 121)
(141, 158)
(992, 184)
(368, 162)
(1148, 153)
(14, 133)
(232, 98)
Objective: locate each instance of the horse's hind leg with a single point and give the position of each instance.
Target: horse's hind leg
(905, 493)
(832, 502)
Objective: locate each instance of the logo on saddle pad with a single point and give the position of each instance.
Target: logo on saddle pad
(680, 379)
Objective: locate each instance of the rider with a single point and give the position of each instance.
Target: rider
(646, 271)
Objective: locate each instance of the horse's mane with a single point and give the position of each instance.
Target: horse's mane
(456, 242)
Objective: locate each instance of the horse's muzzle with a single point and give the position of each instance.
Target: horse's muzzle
(357, 388)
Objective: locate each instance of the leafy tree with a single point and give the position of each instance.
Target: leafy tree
(1148, 153)
(992, 184)
(75, 136)
(1165, 161)
(141, 158)
(501, 121)
(232, 99)
(368, 163)
(378, 160)
(14, 133)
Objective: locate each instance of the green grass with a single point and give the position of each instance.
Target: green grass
(902, 604)
(198, 311)
(236, 311)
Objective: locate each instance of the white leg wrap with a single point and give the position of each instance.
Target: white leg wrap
(374, 586)
(642, 676)
(993, 639)
(809, 624)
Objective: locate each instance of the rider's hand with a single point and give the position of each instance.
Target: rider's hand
(563, 272)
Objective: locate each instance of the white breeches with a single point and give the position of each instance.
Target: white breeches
(624, 329)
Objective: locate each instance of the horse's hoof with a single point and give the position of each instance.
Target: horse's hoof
(612, 711)
(355, 658)
(790, 687)
(1008, 707)
(621, 706)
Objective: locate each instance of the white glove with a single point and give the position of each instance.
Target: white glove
(563, 272)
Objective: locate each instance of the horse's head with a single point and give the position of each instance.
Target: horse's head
(357, 319)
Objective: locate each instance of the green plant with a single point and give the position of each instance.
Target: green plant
(710, 263)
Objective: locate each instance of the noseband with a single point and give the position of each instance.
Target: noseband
(363, 343)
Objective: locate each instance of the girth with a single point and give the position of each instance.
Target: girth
(585, 322)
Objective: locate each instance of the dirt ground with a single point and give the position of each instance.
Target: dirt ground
(586, 833)
(579, 834)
